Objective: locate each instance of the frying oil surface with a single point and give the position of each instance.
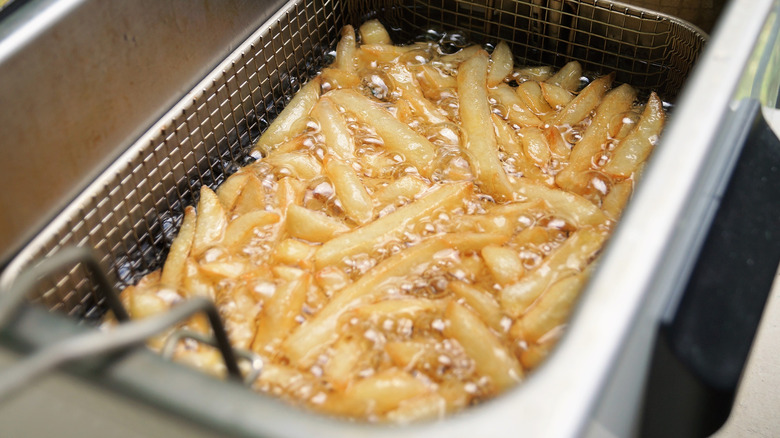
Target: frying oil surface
(417, 230)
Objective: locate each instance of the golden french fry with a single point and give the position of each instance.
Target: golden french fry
(294, 253)
(482, 301)
(637, 145)
(585, 102)
(535, 146)
(394, 308)
(278, 315)
(531, 94)
(404, 81)
(516, 109)
(373, 32)
(424, 407)
(617, 198)
(461, 55)
(586, 150)
(312, 225)
(541, 73)
(210, 223)
(343, 360)
(574, 254)
(398, 137)
(240, 229)
(365, 238)
(551, 310)
(403, 189)
(501, 64)
(478, 138)
(568, 77)
(229, 191)
(534, 354)
(251, 198)
(503, 263)
(173, 269)
(406, 354)
(350, 190)
(299, 163)
(508, 141)
(385, 390)
(569, 206)
(305, 343)
(491, 358)
(292, 119)
(289, 191)
(334, 79)
(555, 95)
(345, 50)
(334, 129)
(433, 81)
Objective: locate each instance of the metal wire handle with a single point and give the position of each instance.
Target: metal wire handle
(94, 343)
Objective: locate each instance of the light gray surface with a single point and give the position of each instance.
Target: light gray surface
(70, 105)
(756, 406)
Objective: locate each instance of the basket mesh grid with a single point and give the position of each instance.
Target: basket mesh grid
(131, 214)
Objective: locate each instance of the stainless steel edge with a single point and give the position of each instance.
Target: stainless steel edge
(81, 80)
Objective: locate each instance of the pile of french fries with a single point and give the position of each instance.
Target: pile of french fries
(417, 228)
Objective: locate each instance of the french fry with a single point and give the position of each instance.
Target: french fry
(334, 79)
(555, 95)
(569, 206)
(292, 119)
(406, 354)
(334, 128)
(210, 224)
(551, 310)
(373, 32)
(503, 263)
(344, 358)
(350, 190)
(541, 73)
(582, 155)
(482, 301)
(299, 163)
(568, 77)
(365, 238)
(536, 353)
(491, 358)
(173, 269)
(531, 94)
(501, 64)
(617, 198)
(305, 342)
(424, 407)
(535, 146)
(574, 254)
(478, 139)
(509, 141)
(239, 230)
(461, 55)
(229, 191)
(278, 315)
(251, 198)
(385, 390)
(312, 225)
(432, 81)
(517, 111)
(402, 189)
(398, 137)
(394, 308)
(403, 80)
(585, 102)
(636, 147)
(293, 253)
(345, 50)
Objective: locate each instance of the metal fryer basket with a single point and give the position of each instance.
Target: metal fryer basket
(132, 211)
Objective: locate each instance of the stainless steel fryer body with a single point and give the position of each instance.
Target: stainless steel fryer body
(129, 212)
